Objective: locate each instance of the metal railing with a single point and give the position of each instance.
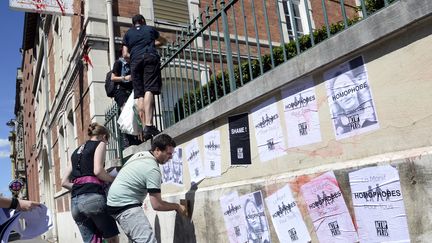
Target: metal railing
(233, 42)
(115, 142)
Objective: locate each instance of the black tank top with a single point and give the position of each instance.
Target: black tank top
(83, 165)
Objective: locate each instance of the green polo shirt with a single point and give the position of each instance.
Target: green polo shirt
(139, 175)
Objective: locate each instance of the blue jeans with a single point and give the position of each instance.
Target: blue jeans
(136, 226)
(90, 214)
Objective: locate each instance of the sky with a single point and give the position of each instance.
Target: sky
(11, 24)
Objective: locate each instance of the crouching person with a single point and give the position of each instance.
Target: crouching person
(141, 175)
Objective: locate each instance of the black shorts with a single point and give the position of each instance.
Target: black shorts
(146, 74)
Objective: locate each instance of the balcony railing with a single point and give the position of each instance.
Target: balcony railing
(233, 42)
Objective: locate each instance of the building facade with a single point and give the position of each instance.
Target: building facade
(65, 59)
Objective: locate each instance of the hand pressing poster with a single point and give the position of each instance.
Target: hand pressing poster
(350, 99)
(255, 218)
(378, 205)
(327, 209)
(212, 153)
(268, 131)
(232, 210)
(301, 114)
(286, 217)
(193, 158)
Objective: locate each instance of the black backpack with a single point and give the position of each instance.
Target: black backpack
(109, 85)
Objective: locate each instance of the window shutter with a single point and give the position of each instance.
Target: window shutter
(172, 11)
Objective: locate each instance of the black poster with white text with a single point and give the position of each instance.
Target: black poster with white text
(239, 139)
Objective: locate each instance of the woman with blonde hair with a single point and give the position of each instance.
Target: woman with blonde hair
(86, 178)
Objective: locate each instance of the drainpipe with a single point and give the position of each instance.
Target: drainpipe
(110, 32)
(47, 122)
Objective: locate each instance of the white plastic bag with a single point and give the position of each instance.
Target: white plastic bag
(128, 121)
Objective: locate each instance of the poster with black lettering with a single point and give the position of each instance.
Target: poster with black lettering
(212, 153)
(268, 130)
(233, 213)
(350, 99)
(256, 221)
(167, 173)
(327, 209)
(239, 139)
(177, 167)
(286, 217)
(193, 157)
(301, 113)
(378, 205)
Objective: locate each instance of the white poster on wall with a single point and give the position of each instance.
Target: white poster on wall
(177, 166)
(301, 114)
(233, 213)
(167, 173)
(268, 131)
(286, 217)
(254, 215)
(327, 209)
(212, 153)
(63, 7)
(349, 96)
(193, 157)
(378, 205)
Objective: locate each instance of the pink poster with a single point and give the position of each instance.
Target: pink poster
(328, 211)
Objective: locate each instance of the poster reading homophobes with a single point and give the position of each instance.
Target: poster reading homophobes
(286, 217)
(378, 205)
(212, 153)
(301, 114)
(349, 96)
(233, 213)
(193, 157)
(327, 209)
(239, 139)
(268, 130)
(256, 222)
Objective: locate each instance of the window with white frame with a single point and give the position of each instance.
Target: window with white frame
(70, 134)
(294, 13)
(62, 149)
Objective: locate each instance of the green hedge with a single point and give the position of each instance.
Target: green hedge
(216, 87)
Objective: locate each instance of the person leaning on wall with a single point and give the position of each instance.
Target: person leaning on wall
(140, 176)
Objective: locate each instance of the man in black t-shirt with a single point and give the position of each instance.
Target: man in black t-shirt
(139, 43)
(123, 88)
(121, 77)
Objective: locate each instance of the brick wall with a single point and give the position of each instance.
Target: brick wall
(28, 123)
(125, 8)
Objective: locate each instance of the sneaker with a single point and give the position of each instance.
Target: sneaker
(149, 132)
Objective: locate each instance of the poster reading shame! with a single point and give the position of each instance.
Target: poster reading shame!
(378, 205)
(328, 211)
